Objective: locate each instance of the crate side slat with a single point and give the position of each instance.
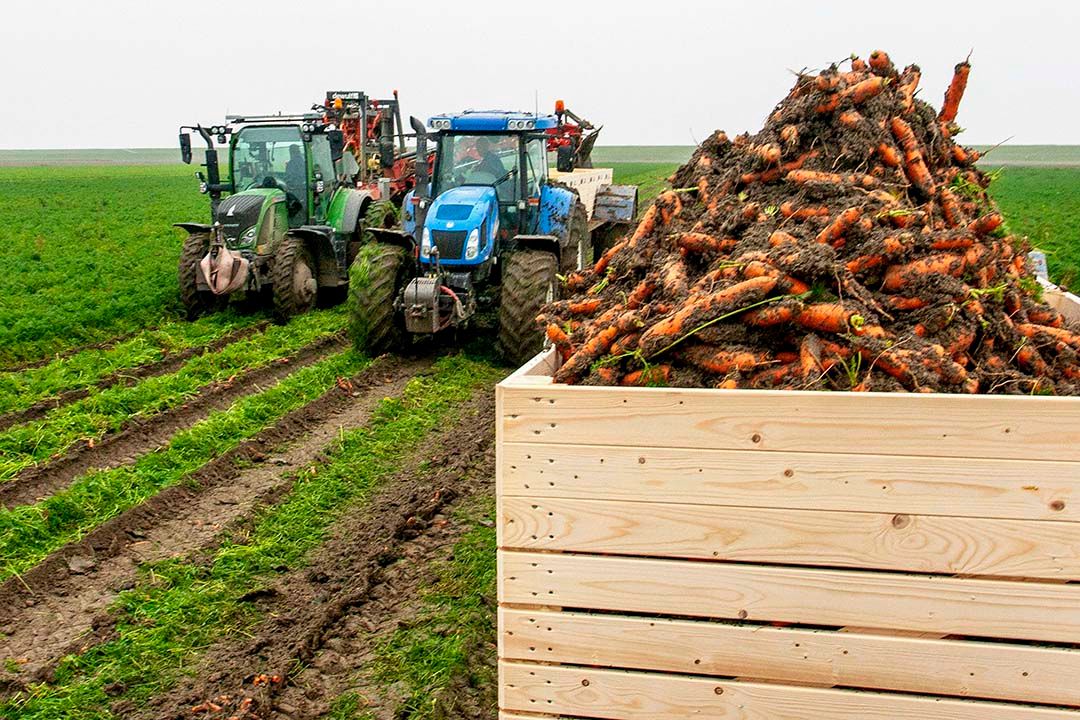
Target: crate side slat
(813, 596)
(766, 420)
(871, 483)
(914, 543)
(647, 696)
(999, 671)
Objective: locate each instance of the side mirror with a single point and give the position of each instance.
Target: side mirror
(185, 148)
(337, 144)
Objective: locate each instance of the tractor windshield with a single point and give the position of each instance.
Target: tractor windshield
(269, 157)
(488, 159)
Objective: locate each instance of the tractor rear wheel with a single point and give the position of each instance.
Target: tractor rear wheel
(529, 282)
(375, 277)
(196, 302)
(296, 284)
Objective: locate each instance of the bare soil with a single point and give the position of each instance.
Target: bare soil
(60, 605)
(360, 585)
(145, 435)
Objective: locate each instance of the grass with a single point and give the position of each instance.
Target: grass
(28, 533)
(20, 389)
(90, 251)
(179, 608)
(1044, 204)
(110, 409)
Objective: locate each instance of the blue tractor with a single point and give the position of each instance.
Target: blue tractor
(493, 227)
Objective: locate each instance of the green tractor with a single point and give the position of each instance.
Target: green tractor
(286, 222)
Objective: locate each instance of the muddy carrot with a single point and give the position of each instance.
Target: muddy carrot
(953, 95)
(899, 302)
(780, 237)
(655, 375)
(986, 224)
(858, 64)
(866, 89)
(1045, 316)
(888, 155)
(575, 281)
(559, 339)
(601, 265)
(914, 162)
(964, 156)
(1060, 334)
(826, 317)
(836, 230)
(810, 356)
(772, 377)
(701, 242)
(626, 343)
(770, 316)
(645, 227)
(722, 362)
(828, 105)
(807, 177)
(784, 283)
(640, 294)
(767, 154)
(962, 242)
(584, 307)
(703, 309)
(670, 206)
(789, 134)
(950, 207)
(850, 118)
(899, 277)
(674, 279)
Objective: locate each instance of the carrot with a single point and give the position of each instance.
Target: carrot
(601, 265)
(850, 118)
(862, 263)
(674, 279)
(881, 64)
(953, 95)
(784, 282)
(578, 364)
(858, 65)
(888, 155)
(583, 307)
(775, 376)
(1045, 316)
(950, 207)
(729, 384)
(626, 343)
(866, 89)
(640, 294)
(899, 277)
(670, 206)
(767, 154)
(775, 173)
(895, 362)
(697, 242)
(771, 316)
(655, 375)
(608, 374)
(898, 302)
(810, 177)
(645, 227)
(827, 80)
(834, 233)
(914, 163)
(789, 134)
(1060, 334)
(909, 83)
(560, 340)
(965, 156)
(810, 211)
(826, 317)
(810, 356)
(986, 224)
(780, 237)
(703, 309)
(962, 242)
(828, 105)
(575, 281)
(722, 362)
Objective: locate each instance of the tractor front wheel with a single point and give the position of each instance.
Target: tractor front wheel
(375, 277)
(294, 277)
(196, 302)
(529, 282)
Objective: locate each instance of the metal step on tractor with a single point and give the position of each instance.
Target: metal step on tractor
(493, 227)
(288, 216)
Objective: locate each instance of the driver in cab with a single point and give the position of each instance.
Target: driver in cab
(489, 161)
(295, 170)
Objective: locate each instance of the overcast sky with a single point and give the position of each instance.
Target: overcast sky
(120, 73)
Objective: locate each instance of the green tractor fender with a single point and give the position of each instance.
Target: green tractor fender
(328, 251)
(192, 227)
(347, 209)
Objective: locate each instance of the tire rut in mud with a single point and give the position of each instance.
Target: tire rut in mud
(361, 582)
(139, 437)
(60, 605)
(128, 376)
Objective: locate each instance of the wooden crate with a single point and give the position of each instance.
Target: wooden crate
(677, 553)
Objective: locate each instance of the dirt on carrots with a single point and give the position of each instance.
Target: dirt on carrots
(848, 245)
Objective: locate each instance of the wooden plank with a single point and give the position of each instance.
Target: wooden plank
(959, 606)
(945, 667)
(972, 487)
(1030, 428)
(619, 695)
(915, 543)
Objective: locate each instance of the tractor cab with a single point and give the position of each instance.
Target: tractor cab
(490, 173)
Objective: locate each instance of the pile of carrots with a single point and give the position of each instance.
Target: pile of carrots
(849, 245)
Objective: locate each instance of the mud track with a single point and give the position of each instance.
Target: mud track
(128, 376)
(59, 606)
(141, 436)
(360, 585)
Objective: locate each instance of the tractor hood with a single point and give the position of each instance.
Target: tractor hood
(452, 218)
(239, 216)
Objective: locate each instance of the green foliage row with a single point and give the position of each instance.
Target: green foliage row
(179, 608)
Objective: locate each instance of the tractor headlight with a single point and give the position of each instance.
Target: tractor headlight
(472, 247)
(204, 187)
(530, 124)
(425, 243)
(248, 236)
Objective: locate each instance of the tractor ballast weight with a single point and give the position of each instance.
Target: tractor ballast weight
(492, 229)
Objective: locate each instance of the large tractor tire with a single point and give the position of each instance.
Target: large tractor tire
(295, 280)
(576, 251)
(529, 281)
(374, 280)
(196, 302)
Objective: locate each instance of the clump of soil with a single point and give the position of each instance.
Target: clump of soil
(849, 245)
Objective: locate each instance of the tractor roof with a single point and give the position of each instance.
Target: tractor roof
(492, 121)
